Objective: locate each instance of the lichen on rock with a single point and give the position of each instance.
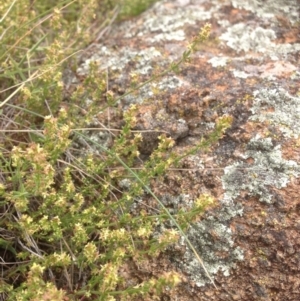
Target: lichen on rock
(250, 70)
(270, 8)
(279, 108)
(212, 239)
(242, 37)
(268, 169)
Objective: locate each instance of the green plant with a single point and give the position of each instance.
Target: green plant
(65, 222)
(134, 7)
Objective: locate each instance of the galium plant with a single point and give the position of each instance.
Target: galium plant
(66, 225)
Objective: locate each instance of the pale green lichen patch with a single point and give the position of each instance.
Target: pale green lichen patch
(269, 169)
(118, 59)
(242, 37)
(284, 113)
(167, 23)
(247, 37)
(137, 63)
(240, 74)
(168, 83)
(218, 61)
(210, 238)
(270, 8)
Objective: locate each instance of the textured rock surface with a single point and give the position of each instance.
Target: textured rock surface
(250, 242)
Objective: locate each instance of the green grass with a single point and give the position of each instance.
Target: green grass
(66, 228)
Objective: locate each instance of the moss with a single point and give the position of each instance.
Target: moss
(133, 8)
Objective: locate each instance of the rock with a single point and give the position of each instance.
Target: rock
(249, 69)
